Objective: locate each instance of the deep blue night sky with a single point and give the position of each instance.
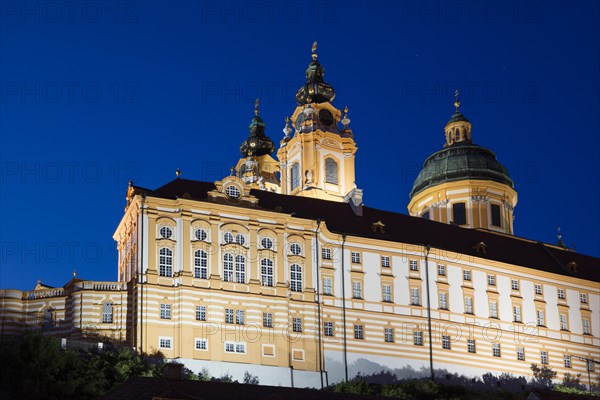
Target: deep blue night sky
(95, 94)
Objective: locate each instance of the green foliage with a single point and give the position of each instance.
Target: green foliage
(250, 379)
(543, 376)
(36, 367)
(204, 375)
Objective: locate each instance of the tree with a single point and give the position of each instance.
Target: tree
(250, 379)
(543, 376)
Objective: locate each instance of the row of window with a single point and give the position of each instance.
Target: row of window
(228, 237)
(240, 347)
(234, 268)
(459, 214)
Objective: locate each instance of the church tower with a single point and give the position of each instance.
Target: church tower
(318, 160)
(464, 184)
(256, 167)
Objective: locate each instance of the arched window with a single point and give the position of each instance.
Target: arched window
(107, 313)
(295, 278)
(165, 262)
(227, 267)
(240, 269)
(266, 272)
(200, 264)
(295, 176)
(331, 171)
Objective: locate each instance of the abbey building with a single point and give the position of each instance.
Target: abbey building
(279, 269)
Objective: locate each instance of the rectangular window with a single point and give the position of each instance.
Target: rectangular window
(200, 313)
(538, 288)
(229, 316)
(297, 324)
(327, 286)
(328, 328)
(544, 357)
(385, 261)
(357, 290)
(471, 345)
(107, 313)
(492, 280)
(164, 343)
(468, 305)
(443, 301)
(459, 213)
(446, 342)
(583, 298)
(200, 264)
(496, 349)
(590, 365)
(267, 320)
(356, 257)
(567, 361)
(389, 334)
(561, 294)
(233, 347)
(540, 318)
(521, 353)
(326, 253)
(493, 309)
(387, 293)
(165, 311)
(586, 327)
(415, 297)
(295, 278)
(295, 176)
(564, 322)
(466, 275)
(516, 313)
(514, 284)
(358, 332)
(418, 338)
(201, 344)
(441, 270)
(495, 209)
(239, 317)
(413, 265)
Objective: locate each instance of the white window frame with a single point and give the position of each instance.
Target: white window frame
(385, 261)
(200, 313)
(295, 278)
(359, 332)
(203, 344)
(446, 343)
(165, 311)
(355, 257)
(388, 334)
(165, 262)
(163, 341)
(327, 285)
(544, 357)
(267, 277)
(200, 264)
(496, 351)
(357, 290)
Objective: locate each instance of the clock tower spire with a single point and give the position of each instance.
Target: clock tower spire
(318, 160)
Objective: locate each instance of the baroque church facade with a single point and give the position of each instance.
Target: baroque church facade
(280, 270)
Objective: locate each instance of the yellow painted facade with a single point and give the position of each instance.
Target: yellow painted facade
(232, 280)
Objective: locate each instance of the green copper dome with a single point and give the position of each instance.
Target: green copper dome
(461, 161)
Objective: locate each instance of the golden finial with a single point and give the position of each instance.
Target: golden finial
(74, 273)
(314, 51)
(256, 110)
(178, 172)
(456, 102)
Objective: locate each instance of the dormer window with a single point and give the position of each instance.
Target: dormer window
(232, 192)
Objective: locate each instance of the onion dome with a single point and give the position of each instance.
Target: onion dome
(315, 90)
(257, 143)
(460, 159)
